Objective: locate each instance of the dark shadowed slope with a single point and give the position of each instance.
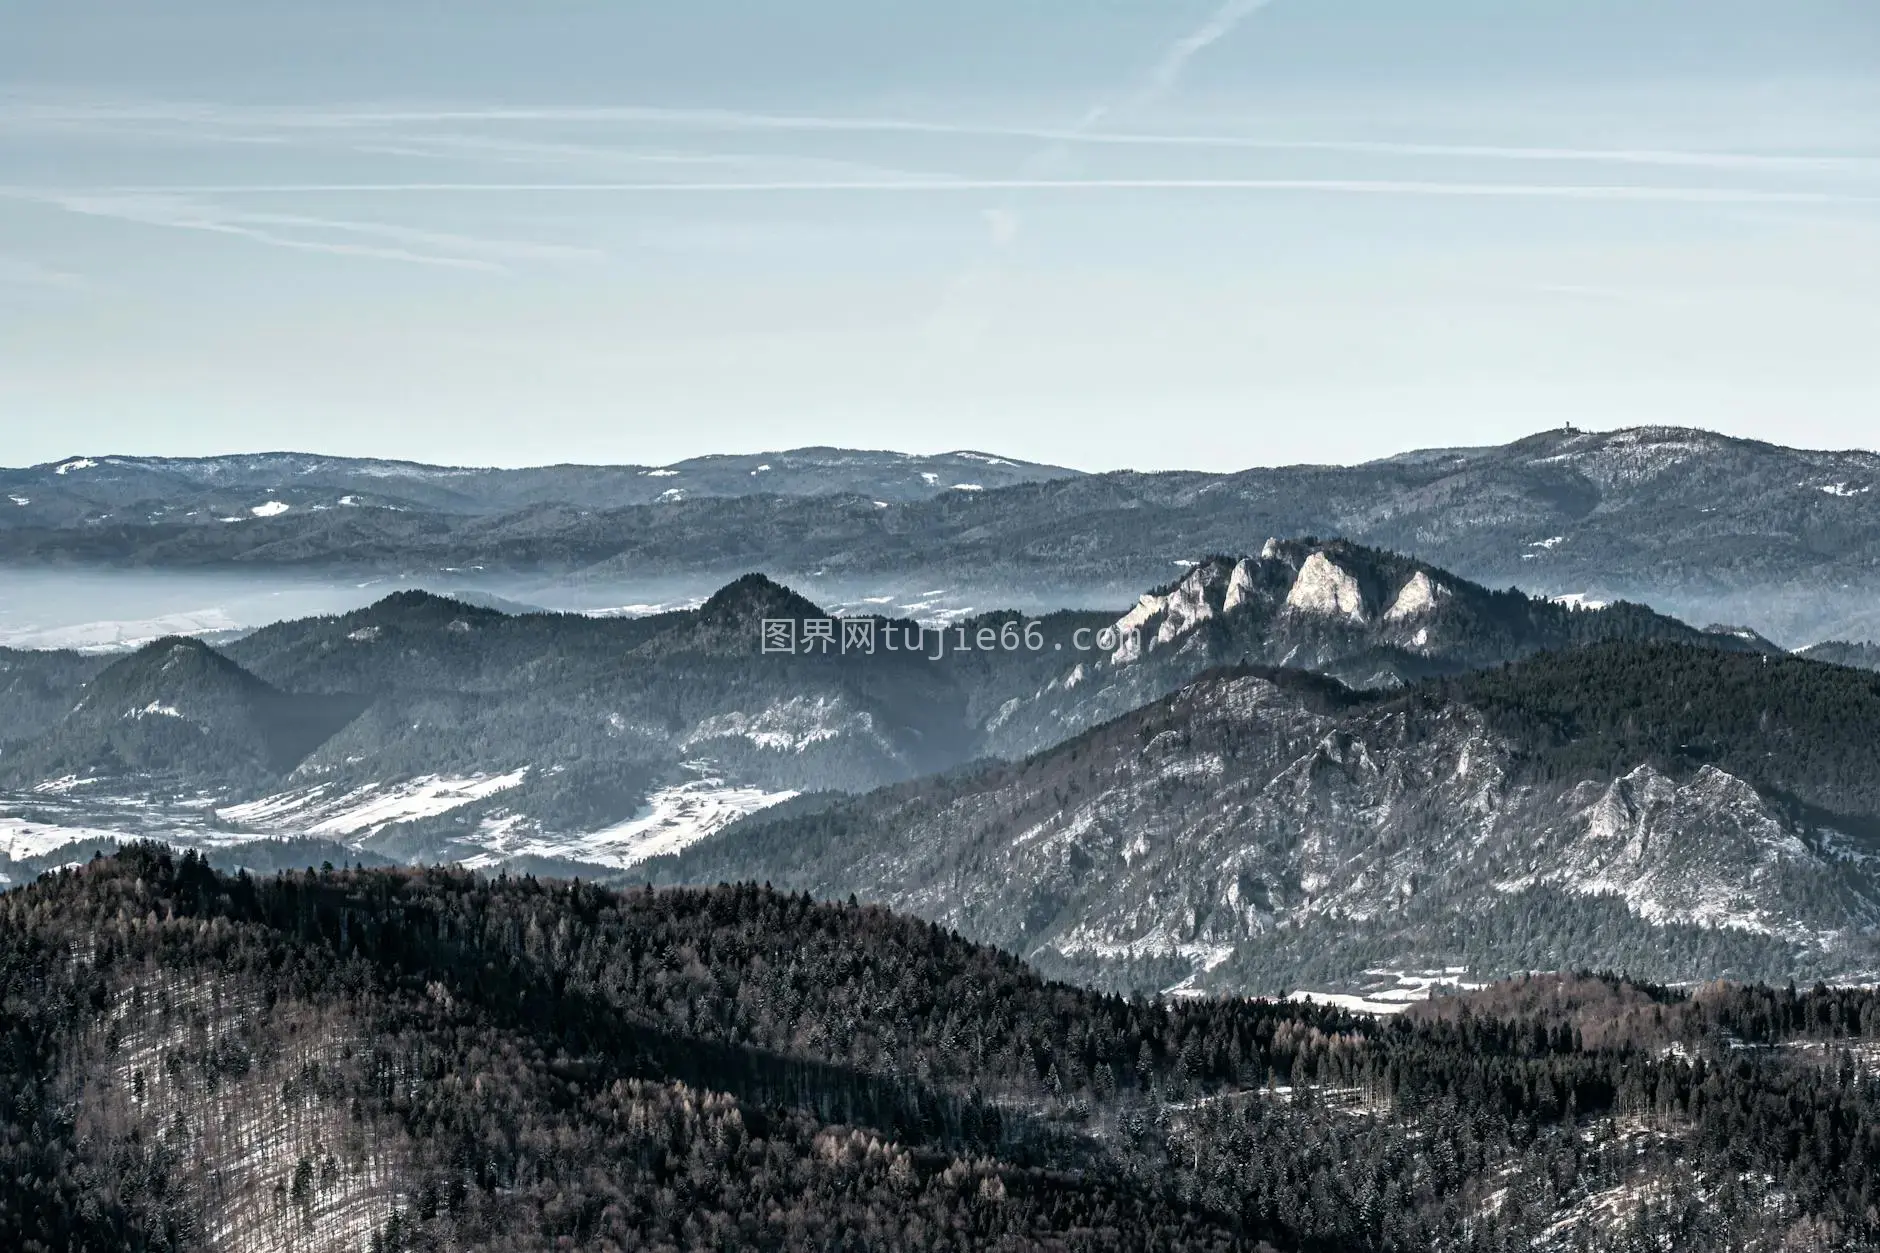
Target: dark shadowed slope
(429, 1060)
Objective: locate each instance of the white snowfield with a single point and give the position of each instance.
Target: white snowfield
(20, 838)
(122, 635)
(155, 709)
(671, 820)
(1392, 991)
(668, 821)
(323, 810)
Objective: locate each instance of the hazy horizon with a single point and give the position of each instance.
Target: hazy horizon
(1060, 462)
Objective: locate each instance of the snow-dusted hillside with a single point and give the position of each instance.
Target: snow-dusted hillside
(1257, 827)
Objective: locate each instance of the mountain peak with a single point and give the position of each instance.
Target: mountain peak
(177, 705)
(750, 598)
(415, 606)
(175, 661)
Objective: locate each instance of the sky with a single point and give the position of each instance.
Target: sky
(1101, 233)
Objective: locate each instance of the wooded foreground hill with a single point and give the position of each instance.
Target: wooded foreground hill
(404, 1059)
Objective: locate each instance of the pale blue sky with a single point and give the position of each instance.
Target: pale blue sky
(1098, 232)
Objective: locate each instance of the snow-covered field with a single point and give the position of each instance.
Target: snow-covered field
(69, 811)
(20, 838)
(671, 820)
(1389, 991)
(119, 635)
(324, 810)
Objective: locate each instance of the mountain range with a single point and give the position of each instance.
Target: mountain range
(1702, 526)
(91, 491)
(429, 728)
(1294, 779)
(1293, 765)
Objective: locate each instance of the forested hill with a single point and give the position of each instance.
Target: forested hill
(1681, 812)
(429, 1060)
(1795, 727)
(1842, 653)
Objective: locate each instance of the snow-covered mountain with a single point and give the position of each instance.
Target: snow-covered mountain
(427, 728)
(1675, 810)
(1370, 618)
(424, 729)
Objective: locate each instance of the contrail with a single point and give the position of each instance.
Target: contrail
(1168, 70)
(1351, 186)
(1003, 220)
(1162, 78)
(1080, 134)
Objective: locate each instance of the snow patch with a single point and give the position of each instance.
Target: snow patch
(155, 709)
(672, 819)
(789, 727)
(76, 463)
(20, 838)
(62, 785)
(365, 809)
(271, 509)
(1349, 1002)
(122, 636)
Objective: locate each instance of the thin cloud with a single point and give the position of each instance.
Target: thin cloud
(1083, 133)
(536, 152)
(173, 209)
(1364, 187)
(961, 313)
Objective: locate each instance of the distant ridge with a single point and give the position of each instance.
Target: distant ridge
(1785, 542)
(270, 484)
